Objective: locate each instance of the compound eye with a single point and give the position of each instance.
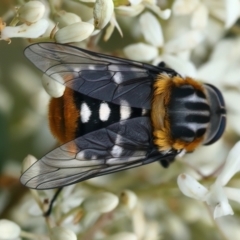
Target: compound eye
(217, 122)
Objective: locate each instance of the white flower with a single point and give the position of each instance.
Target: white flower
(130, 11)
(111, 27)
(61, 233)
(225, 58)
(184, 42)
(102, 13)
(9, 230)
(128, 199)
(54, 87)
(75, 32)
(154, 34)
(123, 235)
(141, 52)
(28, 161)
(175, 53)
(137, 6)
(34, 30)
(223, 70)
(101, 202)
(217, 195)
(66, 18)
(227, 11)
(31, 12)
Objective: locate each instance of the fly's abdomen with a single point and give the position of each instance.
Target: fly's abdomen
(75, 114)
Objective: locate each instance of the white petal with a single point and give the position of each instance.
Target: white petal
(232, 12)
(101, 202)
(140, 52)
(185, 42)
(183, 7)
(102, 13)
(75, 32)
(164, 14)
(123, 236)
(232, 100)
(9, 230)
(53, 88)
(225, 10)
(139, 223)
(62, 233)
(34, 30)
(217, 8)
(222, 209)
(233, 123)
(31, 11)
(128, 199)
(183, 67)
(130, 11)
(151, 29)
(231, 166)
(111, 27)
(28, 161)
(200, 17)
(231, 77)
(176, 227)
(232, 193)
(228, 48)
(191, 187)
(135, 2)
(216, 197)
(207, 72)
(66, 18)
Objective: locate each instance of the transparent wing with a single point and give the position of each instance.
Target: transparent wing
(94, 74)
(118, 147)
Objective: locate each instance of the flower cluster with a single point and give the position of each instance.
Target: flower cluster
(217, 194)
(197, 38)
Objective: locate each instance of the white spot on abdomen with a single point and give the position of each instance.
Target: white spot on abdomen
(116, 151)
(104, 112)
(85, 113)
(118, 78)
(125, 110)
(144, 111)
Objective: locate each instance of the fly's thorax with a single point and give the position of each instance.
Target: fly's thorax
(186, 113)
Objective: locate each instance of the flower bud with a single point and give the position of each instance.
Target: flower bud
(101, 202)
(54, 88)
(130, 11)
(66, 18)
(216, 197)
(102, 13)
(141, 52)
(61, 233)
(123, 235)
(151, 29)
(191, 187)
(128, 199)
(9, 230)
(183, 7)
(31, 12)
(75, 32)
(35, 30)
(28, 161)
